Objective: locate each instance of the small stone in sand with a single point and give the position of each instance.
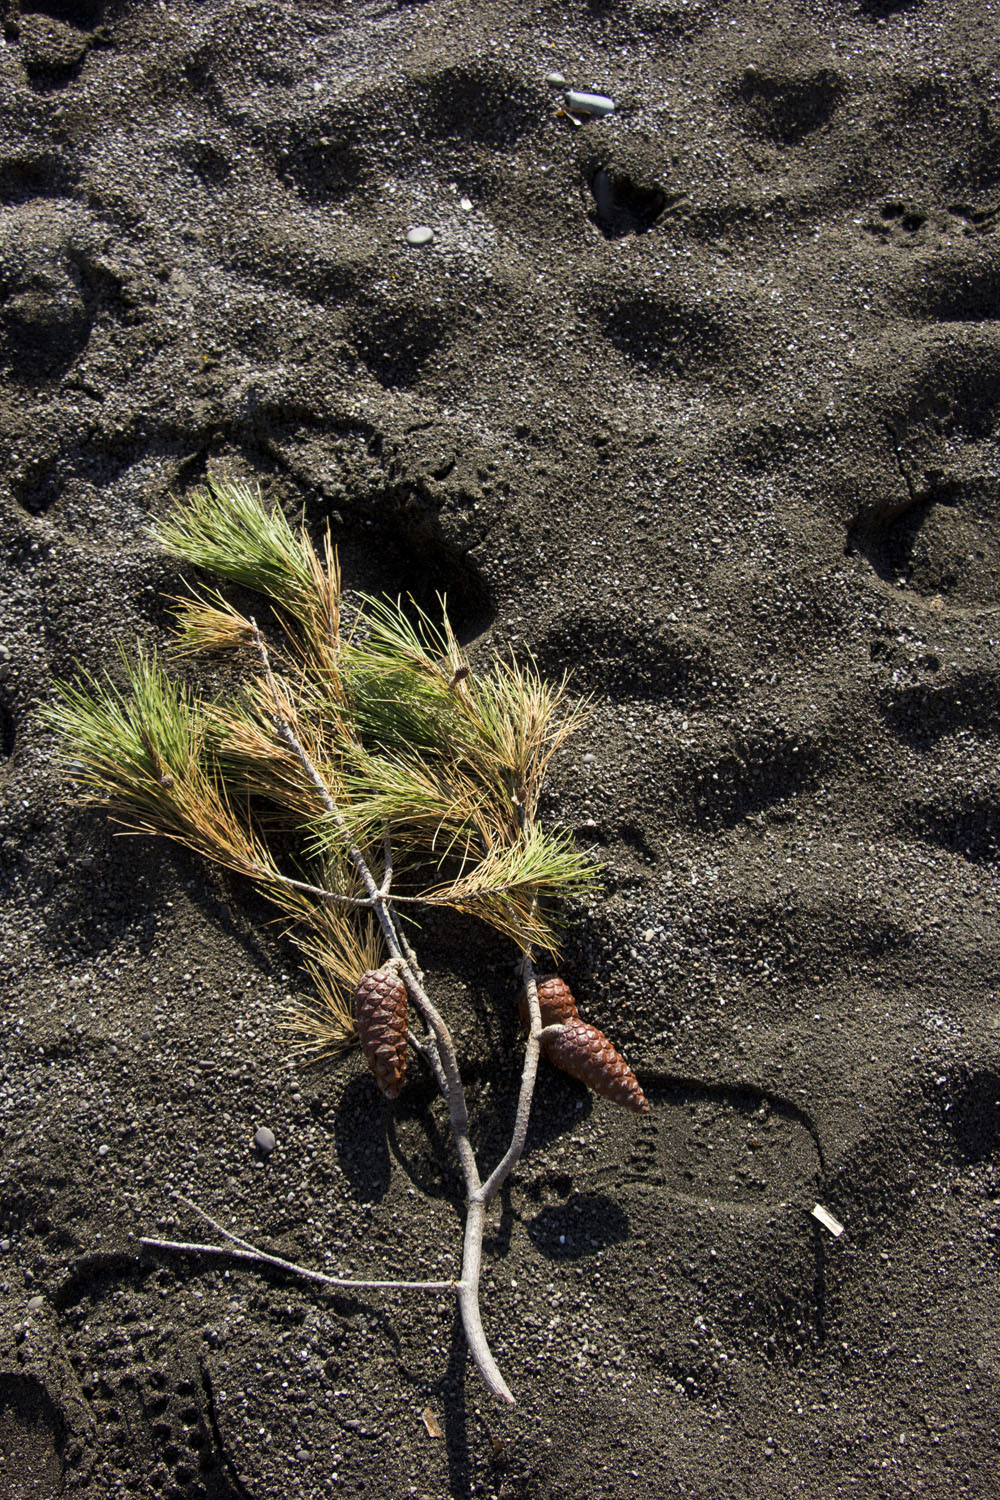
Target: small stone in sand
(420, 235)
(589, 104)
(264, 1141)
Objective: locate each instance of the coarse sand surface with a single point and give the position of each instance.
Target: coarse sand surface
(699, 400)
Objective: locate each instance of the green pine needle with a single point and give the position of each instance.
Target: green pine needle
(405, 738)
(515, 887)
(226, 529)
(130, 749)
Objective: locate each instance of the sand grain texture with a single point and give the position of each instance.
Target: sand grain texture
(700, 400)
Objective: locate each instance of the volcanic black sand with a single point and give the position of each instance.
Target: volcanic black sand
(699, 400)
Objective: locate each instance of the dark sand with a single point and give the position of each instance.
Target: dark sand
(726, 446)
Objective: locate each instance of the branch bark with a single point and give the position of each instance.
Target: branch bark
(240, 1249)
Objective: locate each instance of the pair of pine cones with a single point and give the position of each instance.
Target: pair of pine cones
(579, 1049)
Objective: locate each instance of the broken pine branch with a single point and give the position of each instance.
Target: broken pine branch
(355, 778)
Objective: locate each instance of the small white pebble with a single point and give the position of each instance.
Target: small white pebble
(555, 80)
(465, 204)
(421, 234)
(590, 104)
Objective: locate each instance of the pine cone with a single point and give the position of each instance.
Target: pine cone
(585, 1053)
(381, 999)
(554, 1001)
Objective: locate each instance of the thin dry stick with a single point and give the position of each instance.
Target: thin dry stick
(509, 1161)
(334, 896)
(386, 885)
(426, 1047)
(246, 1251)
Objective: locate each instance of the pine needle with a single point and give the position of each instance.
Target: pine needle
(225, 528)
(209, 623)
(339, 744)
(515, 887)
(337, 953)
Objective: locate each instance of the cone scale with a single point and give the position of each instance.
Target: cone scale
(382, 1022)
(580, 1049)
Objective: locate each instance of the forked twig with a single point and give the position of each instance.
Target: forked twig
(443, 1062)
(479, 1195)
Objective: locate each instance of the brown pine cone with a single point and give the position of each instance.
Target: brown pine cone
(381, 999)
(585, 1053)
(554, 1001)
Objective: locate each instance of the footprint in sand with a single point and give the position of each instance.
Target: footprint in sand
(724, 1146)
(32, 1439)
(714, 1199)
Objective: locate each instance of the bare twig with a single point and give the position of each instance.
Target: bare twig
(317, 890)
(411, 957)
(386, 885)
(240, 1249)
(468, 1299)
(536, 1035)
(323, 894)
(426, 1047)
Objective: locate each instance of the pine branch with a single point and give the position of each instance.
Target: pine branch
(387, 772)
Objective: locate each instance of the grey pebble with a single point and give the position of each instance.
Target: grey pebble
(421, 234)
(35, 1302)
(590, 104)
(264, 1140)
(556, 80)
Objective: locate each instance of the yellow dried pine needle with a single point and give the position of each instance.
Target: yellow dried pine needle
(322, 1025)
(209, 624)
(337, 952)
